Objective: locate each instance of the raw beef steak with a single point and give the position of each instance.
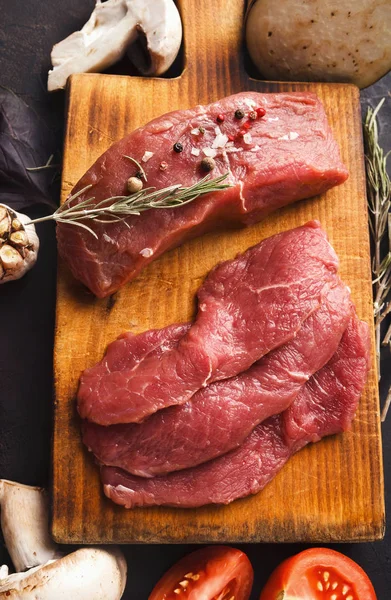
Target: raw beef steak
(246, 308)
(285, 155)
(219, 417)
(325, 406)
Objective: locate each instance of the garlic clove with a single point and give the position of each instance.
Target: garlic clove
(10, 258)
(19, 239)
(16, 225)
(4, 225)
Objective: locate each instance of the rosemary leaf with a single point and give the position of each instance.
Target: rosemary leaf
(379, 203)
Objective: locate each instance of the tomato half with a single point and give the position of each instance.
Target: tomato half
(318, 574)
(211, 573)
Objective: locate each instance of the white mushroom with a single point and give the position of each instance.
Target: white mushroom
(93, 573)
(108, 33)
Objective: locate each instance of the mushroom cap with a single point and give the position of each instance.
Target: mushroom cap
(111, 28)
(161, 25)
(321, 40)
(93, 573)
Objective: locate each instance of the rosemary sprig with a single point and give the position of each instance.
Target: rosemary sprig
(118, 208)
(379, 203)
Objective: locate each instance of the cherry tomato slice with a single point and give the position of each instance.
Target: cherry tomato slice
(211, 573)
(318, 574)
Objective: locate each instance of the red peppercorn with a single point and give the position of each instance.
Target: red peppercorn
(220, 118)
(247, 125)
(231, 138)
(261, 112)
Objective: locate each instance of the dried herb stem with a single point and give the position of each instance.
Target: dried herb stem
(379, 203)
(49, 165)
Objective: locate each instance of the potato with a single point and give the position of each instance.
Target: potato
(321, 40)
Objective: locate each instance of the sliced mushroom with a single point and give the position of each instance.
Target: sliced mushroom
(108, 33)
(93, 573)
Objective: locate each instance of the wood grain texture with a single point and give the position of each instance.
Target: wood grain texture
(331, 491)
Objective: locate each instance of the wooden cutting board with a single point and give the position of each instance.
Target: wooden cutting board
(331, 491)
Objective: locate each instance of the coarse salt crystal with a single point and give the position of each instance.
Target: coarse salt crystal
(146, 252)
(195, 152)
(247, 138)
(255, 148)
(195, 131)
(209, 152)
(229, 144)
(234, 149)
(220, 141)
(250, 103)
(292, 135)
(273, 119)
(217, 130)
(107, 238)
(147, 156)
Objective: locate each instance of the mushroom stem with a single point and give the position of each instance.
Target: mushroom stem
(24, 522)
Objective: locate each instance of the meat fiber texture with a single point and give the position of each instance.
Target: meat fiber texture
(325, 406)
(246, 308)
(286, 155)
(219, 417)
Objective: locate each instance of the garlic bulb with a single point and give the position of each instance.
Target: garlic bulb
(19, 244)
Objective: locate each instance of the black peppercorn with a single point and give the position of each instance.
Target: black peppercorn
(178, 147)
(239, 114)
(139, 175)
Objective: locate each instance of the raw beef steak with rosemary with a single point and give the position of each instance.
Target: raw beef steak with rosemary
(247, 307)
(219, 417)
(281, 150)
(325, 406)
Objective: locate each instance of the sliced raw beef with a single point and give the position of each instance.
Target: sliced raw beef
(286, 155)
(246, 308)
(325, 406)
(219, 417)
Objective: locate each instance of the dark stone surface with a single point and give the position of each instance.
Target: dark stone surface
(28, 29)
